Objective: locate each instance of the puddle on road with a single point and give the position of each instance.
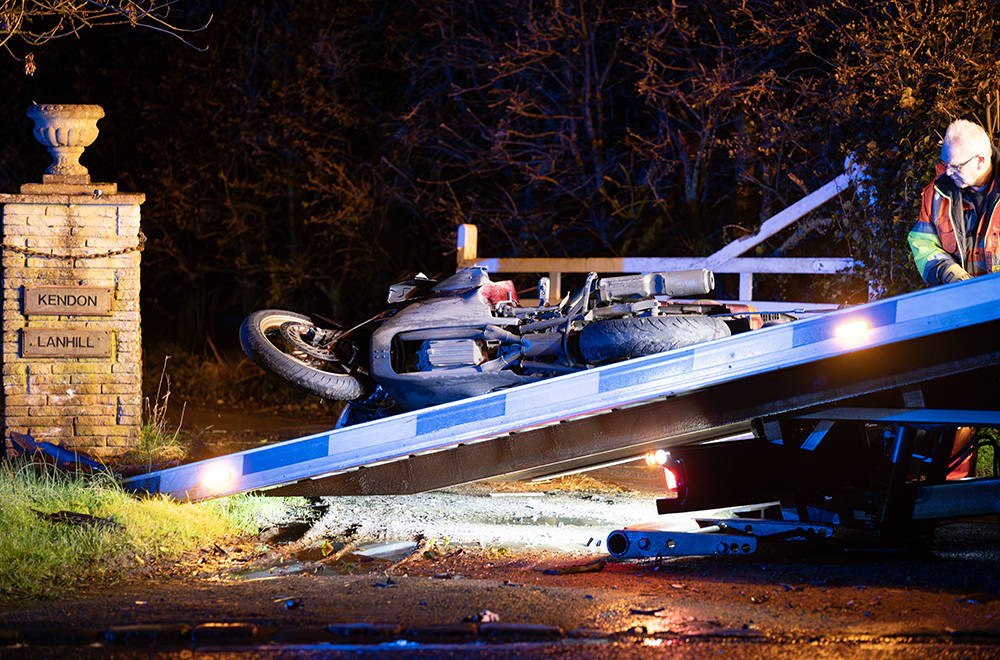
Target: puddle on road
(558, 521)
(346, 564)
(278, 570)
(369, 558)
(389, 551)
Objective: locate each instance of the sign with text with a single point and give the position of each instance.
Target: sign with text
(65, 342)
(68, 300)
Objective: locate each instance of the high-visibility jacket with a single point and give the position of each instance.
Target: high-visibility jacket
(938, 240)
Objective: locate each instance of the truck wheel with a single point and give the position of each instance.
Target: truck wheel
(279, 343)
(617, 339)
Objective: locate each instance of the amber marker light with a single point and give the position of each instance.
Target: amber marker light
(658, 457)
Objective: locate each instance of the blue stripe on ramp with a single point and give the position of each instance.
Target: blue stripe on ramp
(469, 411)
(285, 454)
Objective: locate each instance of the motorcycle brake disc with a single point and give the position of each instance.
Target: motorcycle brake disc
(309, 339)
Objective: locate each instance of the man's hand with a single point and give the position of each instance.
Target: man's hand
(954, 273)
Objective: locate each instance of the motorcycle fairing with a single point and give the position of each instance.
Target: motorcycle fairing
(406, 354)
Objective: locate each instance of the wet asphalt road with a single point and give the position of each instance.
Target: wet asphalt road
(937, 598)
(532, 651)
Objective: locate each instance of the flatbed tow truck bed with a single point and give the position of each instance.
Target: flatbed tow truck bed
(868, 357)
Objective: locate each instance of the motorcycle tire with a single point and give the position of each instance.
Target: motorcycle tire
(618, 339)
(260, 343)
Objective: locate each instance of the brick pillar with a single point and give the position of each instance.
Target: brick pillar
(72, 350)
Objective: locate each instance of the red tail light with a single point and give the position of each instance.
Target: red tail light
(671, 479)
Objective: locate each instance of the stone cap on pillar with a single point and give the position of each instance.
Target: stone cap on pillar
(55, 185)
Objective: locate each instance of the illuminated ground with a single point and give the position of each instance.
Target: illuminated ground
(528, 557)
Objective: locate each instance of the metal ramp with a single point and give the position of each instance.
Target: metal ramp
(704, 392)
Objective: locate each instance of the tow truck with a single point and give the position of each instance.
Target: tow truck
(840, 421)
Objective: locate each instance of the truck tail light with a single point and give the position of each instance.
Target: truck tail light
(673, 490)
(662, 458)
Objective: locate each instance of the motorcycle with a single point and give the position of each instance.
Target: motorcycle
(466, 335)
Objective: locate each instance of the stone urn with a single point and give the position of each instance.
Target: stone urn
(66, 130)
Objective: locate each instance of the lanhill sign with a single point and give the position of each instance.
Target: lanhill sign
(65, 342)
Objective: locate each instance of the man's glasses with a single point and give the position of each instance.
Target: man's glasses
(956, 168)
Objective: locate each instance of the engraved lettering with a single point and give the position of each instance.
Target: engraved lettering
(70, 301)
(67, 300)
(58, 342)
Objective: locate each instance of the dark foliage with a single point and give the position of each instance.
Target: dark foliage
(318, 151)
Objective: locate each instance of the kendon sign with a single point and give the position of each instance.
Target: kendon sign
(65, 301)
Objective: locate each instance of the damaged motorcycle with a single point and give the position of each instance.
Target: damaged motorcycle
(466, 335)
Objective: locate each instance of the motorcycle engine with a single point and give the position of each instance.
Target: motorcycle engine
(449, 354)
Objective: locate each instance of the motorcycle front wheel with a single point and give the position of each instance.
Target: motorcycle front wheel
(630, 337)
(281, 343)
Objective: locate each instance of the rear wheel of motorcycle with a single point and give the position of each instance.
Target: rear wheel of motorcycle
(260, 336)
(617, 339)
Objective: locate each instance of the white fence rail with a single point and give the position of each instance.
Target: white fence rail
(726, 260)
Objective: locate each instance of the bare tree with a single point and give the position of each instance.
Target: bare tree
(36, 22)
(327, 149)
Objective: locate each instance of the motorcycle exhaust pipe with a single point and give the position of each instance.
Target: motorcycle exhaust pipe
(680, 284)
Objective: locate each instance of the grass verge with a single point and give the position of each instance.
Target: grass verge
(44, 554)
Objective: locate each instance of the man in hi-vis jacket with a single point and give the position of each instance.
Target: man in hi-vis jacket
(958, 233)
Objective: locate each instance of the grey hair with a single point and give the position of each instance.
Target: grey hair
(968, 134)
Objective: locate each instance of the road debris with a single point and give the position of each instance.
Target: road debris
(590, 567)
(654, 612)
(55, 454)
(389, 582)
